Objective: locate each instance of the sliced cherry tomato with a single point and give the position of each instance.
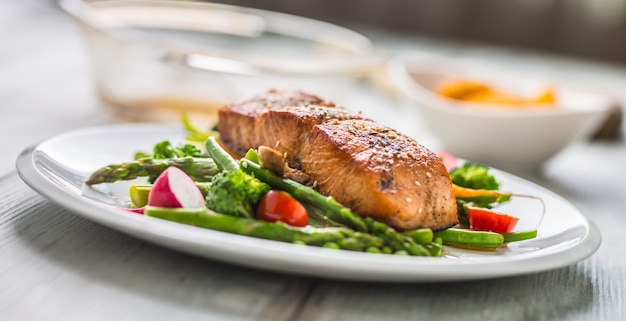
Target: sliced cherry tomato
(481, 219)
(279, 206)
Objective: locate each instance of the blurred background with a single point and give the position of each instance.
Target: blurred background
(581, 43)
(593, 29)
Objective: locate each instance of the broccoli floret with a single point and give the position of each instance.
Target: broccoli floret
(188, 150)
(164, 150)
(235, 193)
(474, 175)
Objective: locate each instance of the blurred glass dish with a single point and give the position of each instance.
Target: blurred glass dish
(154, 59)
(511, 137)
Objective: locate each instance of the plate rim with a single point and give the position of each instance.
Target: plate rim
(313, 261)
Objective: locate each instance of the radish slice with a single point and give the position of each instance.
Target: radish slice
(175, 189)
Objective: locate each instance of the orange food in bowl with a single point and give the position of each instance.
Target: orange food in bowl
(474, 91)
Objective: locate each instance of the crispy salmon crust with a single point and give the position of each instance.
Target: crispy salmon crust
(370, 168)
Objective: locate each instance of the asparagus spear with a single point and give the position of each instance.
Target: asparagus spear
(199, 169)
(421, 236)
(327, 204)
(471, 239)
(342, 237)
(397, 241)
(222, 159)
(335, 211)
(306, 194)
(435, 248)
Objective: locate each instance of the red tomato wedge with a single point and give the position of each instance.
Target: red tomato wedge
(279, 206)
(481, 219)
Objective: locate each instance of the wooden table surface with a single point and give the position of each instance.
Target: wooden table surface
(55, 265)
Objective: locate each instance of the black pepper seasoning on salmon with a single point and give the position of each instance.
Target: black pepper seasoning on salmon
(371, 168)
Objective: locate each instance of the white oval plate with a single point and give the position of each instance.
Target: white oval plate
(57, 168)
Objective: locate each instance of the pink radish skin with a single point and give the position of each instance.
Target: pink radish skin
(449, 161)
(175, 189)
(134, 210)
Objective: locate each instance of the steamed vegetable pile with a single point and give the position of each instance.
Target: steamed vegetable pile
(201, 184)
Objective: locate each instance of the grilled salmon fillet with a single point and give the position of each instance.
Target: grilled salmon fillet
(368, 167)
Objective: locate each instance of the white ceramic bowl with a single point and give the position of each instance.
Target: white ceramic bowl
(507, 138)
